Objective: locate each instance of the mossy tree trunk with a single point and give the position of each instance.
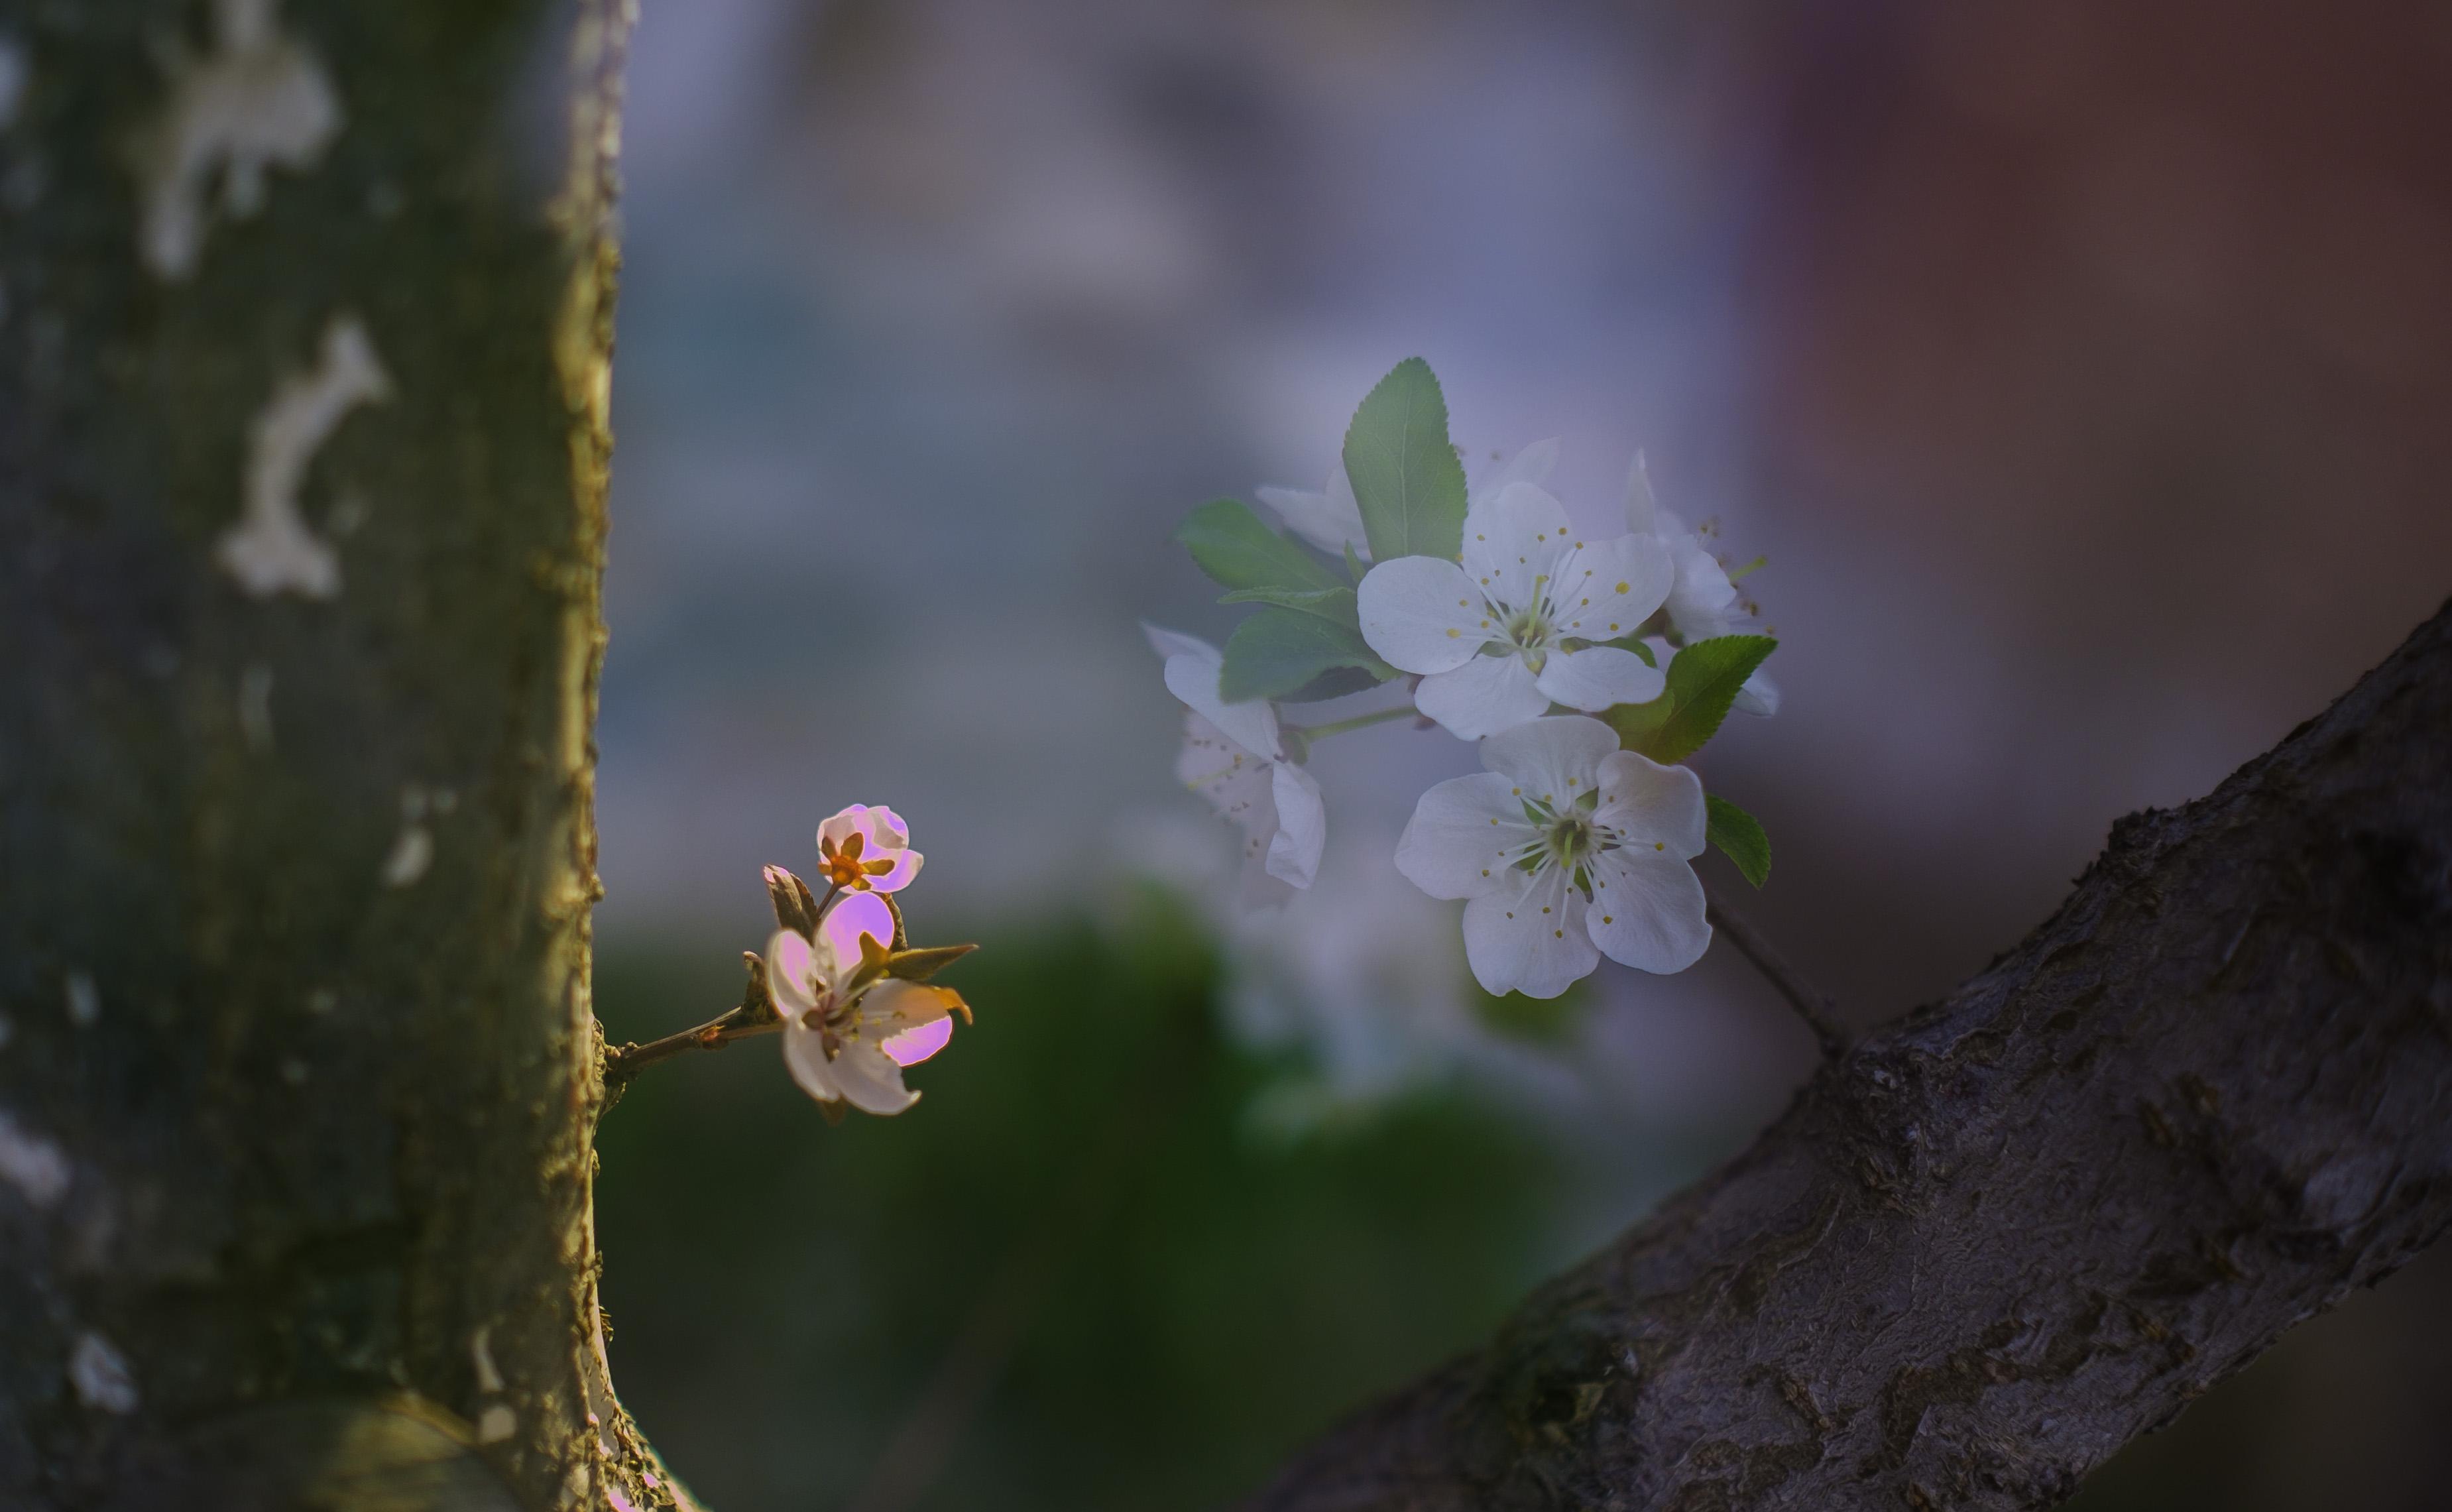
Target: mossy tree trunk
(303, 439)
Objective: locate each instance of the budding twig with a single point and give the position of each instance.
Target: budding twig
(1817, 1011)
(756, 1015)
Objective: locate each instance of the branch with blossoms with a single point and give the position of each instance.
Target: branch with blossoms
(1587, 669)
(840, 981)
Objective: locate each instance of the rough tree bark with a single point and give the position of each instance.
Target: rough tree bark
(1999, 1240)
(302, 459)
(303, 438)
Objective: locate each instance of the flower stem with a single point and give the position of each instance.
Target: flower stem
(756, 1015)
(1812, 1005)
(1320, 732)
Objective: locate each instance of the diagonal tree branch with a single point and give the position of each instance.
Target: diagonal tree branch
(1999, 1239)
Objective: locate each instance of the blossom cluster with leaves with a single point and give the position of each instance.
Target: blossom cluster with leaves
(1587, 668)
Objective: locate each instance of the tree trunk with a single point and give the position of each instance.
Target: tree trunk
(303, 387)
(1999, 1240)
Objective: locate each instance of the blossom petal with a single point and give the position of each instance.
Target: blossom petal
(1607, 588)
(1513, 542)
(1650, 806)
(1486, 695)
(804, 1055)
(905, 867)
(1463, 836)
(1192, 676)
(1423, 614)
(1532, 464)
(913, 1046)
(791, 974)
(1530, 938)
(1648, 910)
(854, 914)
(843, 824)
(869, 1080)
(1642, 509)
(1330, 519)
(1699, 598)
(1553, 761)
(1600, 677)
(1168, 642)
(1303, 825)
(1760, 696)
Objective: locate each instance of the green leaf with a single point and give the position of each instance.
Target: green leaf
(1355, 567)
(1337, 606)
(1739, 834)
(1405, 473)
(1277, 652)
(1703, 682)
(918, 966)
(1233, 546)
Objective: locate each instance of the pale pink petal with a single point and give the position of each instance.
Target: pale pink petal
(913, 1046)
(1168, 642)
(869, 1079)
(804, 1055)
(791, 974)
(907, 866)
(854, 914)
(843, 824)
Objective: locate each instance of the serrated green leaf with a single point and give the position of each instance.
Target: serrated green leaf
(1238, 550)
(1703, 682)
(1337, 606)
(1740, 835)
(1405, 472)
(1277, 652)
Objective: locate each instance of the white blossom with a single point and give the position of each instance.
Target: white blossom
(848, 1031)
(864, 849)
(1567, 849)
(1517, 625)
(1702, 602)
(1235, 757)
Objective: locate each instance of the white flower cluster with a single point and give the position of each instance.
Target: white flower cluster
(1558, 651)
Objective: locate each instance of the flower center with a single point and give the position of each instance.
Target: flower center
(845, 867)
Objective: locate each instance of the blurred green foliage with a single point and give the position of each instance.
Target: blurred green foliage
(1080, 1274)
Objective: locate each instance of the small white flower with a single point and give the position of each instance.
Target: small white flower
(1516, 626)
(1332, 520)
(1702, 602)
(1568, 849)
(1234, 756)
(847, 1033)
(864, 849)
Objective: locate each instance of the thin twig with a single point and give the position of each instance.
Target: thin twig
(756, 1015)
(1818, 1010)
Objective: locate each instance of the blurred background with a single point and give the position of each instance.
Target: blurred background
(2081, 367)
